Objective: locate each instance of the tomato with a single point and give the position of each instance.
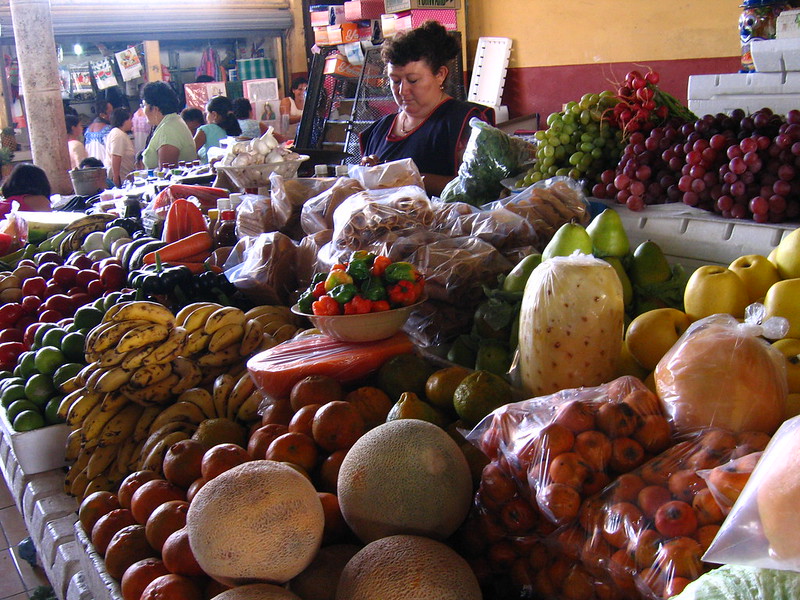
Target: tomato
(10, 351)
(65, 275)
(50, 316)
(79, 299)
(30, 332)
(95, 288)
(61, 303)
(11, 334)
(30, 304)
(50, 257)
(52, 289)
(85, 277)
(46, 270)
(10, 314)
(113, 276)
(80, 260)
(35, 286)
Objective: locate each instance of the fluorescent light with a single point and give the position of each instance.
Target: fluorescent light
(78, 49)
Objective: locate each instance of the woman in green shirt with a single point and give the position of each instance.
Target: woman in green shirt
(171, 140)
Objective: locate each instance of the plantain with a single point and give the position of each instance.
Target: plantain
(170, 348)
(101, 459)
(243, 387)
(156, 394)
(145, 310)
(110, 380)
(135, 358)
(111, 404)
(223, 338)
(183, 314)
(150, 374)
(110, 336)
(73, 446)
(197, 318)
(248, 411)
(196, 342)
(185, 412)
(121, 426)
(220, 392)
(143, 335)
(202, 399)
(82, 406)
(223, 317)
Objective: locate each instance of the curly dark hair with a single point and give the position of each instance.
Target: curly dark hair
(162, 96)
(429, 42)
(119, 116)
(242, 108)
(222, 106)
(26, 179)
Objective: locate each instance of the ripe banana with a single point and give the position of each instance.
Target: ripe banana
(135, 358)
(121, 426)
(196, 342)
(104, 482)
(284, 333)
(283, 312)
(142, 429)
(170, 348)
(223, 317)
(142, 335)
(70, 385)
(164, 430)
(136, 457)
(101, 459)
(202, 399)
(197, 318)
(184, 412)
(248, 411)
(220, 392)
(125, 454)
(73, 446)
(184, 313)
(109, 380)
(110, 336)
(224, 337)
(95, 219)
(67, 402)
(150, 374)
(112, 404)
(95, 332)
(241, 390)
(154, 460)
(110, 358)
(82, 406)
(267, 342)
(158, 393)
(78, 487)
(189, 373)
(143, 309)
(79, 465)
(83, 374)
(222, 358)
(251, 337)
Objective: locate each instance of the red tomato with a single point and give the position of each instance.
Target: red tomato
(95, 288)
(61, 303)
(11, 351)
(80, 260)
(85, 277)
(52, 289)
(34, 286)
(10, 314)
(11, 334)
(79, 299)
(30, 331)
(46, 270)
(50, 316)
(112, 276)
(65, 275)
(30, 304)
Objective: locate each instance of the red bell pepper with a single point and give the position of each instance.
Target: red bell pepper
(326, 306)
(403, 293)
(183, 219)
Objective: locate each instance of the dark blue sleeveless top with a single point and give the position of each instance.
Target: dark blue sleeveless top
(434, 145)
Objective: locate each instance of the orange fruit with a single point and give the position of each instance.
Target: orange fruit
(151, 495)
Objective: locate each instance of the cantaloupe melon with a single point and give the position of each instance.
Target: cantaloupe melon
(261, 521)
(407, 567)
(319, 580)
(404, 477)
(257, 591)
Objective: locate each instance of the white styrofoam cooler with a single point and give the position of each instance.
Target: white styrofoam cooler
(38, 450)
(776, 56)
(711, 94)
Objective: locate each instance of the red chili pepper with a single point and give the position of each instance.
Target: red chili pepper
(379, 265)
(358, 306)
(326, 306)
(319, 290)
(403, 293)
(380, 305)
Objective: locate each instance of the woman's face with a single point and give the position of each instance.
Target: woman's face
(415, 88)
(300, 90)
(77, 131)
(152, 113)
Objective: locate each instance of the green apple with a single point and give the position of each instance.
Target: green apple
(608, 235)
(714, 289)
(787, 255)
(649, 265)
(757, 272)
(652, 334)
(627, 288)
(790, 348)
(783, 300)
(569, 238)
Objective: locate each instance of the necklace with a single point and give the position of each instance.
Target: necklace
(403, 129)
(403, 122)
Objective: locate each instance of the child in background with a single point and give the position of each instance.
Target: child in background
(194, 118)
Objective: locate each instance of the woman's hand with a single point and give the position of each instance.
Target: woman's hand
(370, 161)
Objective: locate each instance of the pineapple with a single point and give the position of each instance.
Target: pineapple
(8, 140)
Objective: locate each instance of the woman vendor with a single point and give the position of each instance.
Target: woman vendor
(431, 127)
(29, 187)
(171, 141)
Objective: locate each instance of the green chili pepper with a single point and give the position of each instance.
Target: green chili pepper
(400, 271)
(359, 268)
(373, 289)
(343, 293)
(305, 301)
(317, 278)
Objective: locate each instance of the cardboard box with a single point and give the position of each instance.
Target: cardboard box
(344, 33)
(39, 450)
(321, 35)
(394, 6)
(360, 10)
(337, 65)
(414, 18)
(326, 14)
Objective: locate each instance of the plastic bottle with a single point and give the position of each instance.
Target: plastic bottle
(225, 228)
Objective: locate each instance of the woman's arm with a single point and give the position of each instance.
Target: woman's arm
(199, 139)
(116, 164)
(37, 203)
(434, 184)
(168, 155)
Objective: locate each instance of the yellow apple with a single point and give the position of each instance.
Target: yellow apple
(757, 273)
(771, 257)
(628, 365)
(790, 348)
(787, 255)
(783, 300)
(653, 333)
(713, 289)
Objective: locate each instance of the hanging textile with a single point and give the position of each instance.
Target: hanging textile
(129, 64)
(103, 74)
(209, 64)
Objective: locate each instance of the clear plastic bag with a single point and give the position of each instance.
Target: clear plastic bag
(255, 216)
(762, 528)
(392, 174)
(308, 252)
(721, 373)
(490, 156)
(267, 275)
(727, 481)
(499, 227)
(317, 213)
(288, 195)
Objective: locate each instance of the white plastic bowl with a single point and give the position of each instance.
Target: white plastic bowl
(368, 327)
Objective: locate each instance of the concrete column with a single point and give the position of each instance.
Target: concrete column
(41, 89)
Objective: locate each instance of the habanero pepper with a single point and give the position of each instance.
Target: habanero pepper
(402, 293)
(343, 293)
(358, 306)
(380, 306)
(326, 306)
(373, 289)
(335, 278)
(400, 271)
(358, 267)
(379, 265)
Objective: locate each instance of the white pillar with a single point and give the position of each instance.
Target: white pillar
(41, 89)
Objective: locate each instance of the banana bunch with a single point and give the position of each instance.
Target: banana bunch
(231, 397)
(138, 350)
(77, 231)
(276, 321)
(220, 337)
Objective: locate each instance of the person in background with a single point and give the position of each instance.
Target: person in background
(90, 162)
(251, 128)
(141, 130)
(171, 141)
(27, 185)
(293, 105)
(77, 151)
(194, 118)
(220, 123)
(98, 130)
(430, 127)
(120, 153)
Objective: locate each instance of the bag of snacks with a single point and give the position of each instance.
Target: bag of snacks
(392, 174)
(762, 528)
(317, 213)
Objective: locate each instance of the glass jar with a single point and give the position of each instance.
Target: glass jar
(757, 22)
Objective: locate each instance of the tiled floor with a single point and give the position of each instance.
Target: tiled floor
(17, 577)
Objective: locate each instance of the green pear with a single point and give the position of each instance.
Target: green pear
(627, 288)
(649, 265)
(569, 238)
(608, 235)
(787, 256)
(515, 281)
